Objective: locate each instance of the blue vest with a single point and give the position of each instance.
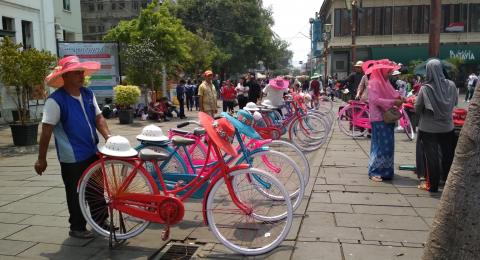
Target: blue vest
(75, 140)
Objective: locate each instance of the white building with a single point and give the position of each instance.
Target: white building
(68, 20)
(32, 24)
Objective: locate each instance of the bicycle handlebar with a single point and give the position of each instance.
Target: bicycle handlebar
(183, 124)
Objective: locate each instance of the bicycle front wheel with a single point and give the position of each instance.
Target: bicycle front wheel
(97, 190)
(254, 232)
(407, 126)
(296, 154)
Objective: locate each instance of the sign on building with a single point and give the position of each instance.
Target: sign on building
(106, 53)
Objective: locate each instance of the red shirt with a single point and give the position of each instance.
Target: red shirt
(315, 86)
(228, 92)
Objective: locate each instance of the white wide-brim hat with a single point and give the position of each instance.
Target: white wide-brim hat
(152, 133)
(117, 146)
(251, 107)
(396, 72)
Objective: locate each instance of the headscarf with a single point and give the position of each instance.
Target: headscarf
(378, 86)
(439, 91)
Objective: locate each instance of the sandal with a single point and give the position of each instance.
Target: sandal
(376, 178)
(423, 186)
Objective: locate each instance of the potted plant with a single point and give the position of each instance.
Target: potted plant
(21, 71)
(125, 97)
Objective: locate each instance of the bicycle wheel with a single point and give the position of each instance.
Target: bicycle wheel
(346, 117)
(252, 233)
(407, 126)
(95, 200)
(296, 154)
(284, 169)
(308, 133)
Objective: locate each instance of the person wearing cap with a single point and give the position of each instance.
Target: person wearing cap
(72, 114)
(208, 95)
(353, 80)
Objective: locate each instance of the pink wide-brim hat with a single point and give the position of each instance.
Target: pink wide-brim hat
(68, 64)
(279, 83)
(379, 64)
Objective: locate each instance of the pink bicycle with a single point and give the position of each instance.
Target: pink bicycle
(354, 120)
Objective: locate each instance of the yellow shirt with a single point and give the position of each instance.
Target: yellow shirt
(208, 94)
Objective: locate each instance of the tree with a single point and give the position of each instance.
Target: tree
(455, 230)
(22, 70)
(239, 28)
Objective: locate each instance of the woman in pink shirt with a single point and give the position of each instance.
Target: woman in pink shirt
(381, 97)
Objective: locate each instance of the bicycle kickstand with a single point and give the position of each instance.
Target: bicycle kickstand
(166, 233)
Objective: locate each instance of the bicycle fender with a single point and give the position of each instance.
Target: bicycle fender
(213, 182)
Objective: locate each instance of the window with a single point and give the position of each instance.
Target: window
(66, 5)
(8, 24)
(114, 6)
(474, 23)
(101, 28)
(91, 29)
(402, 23)
(135, 5)
(27, 34)
(100, 7)
(342, 22)
(420, 19)
(365, 22)
(91, 7)
(454, 13)
(121, 5)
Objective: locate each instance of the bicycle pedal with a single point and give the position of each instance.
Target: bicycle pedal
(179, 183)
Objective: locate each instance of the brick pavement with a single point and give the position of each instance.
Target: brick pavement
(343, 214)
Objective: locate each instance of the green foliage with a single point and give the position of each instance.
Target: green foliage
(241, 29)
(413, 64)
(22, 70)
(126, 96)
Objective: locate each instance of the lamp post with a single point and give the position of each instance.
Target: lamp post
(327, 28)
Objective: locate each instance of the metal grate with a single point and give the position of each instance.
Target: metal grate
(179, 252)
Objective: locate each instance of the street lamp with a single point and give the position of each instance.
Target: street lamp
(327, 28)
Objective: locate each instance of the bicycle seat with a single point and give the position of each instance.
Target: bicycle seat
(178, 140)
(149, 155)
(199, 131)
(180, 131)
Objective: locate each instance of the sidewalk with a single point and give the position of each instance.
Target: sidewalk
(343, 216)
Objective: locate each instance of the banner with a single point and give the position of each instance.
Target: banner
(106, 53)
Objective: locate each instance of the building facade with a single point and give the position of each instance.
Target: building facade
(68, 20)
(398, 30)
(99, 16)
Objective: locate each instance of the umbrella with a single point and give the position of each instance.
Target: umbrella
(421, 69)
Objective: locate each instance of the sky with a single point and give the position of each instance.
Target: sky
(291, 24)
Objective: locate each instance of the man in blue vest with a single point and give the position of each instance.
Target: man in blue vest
(72, 114)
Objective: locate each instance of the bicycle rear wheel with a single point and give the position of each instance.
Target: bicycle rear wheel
(255, 232)
(346, 119)
(407, 126)
(95, 199)
(296, 154)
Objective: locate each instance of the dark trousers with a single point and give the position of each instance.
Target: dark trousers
(242, 101)
(181, 101)
(197, 102)
(438, 151)
(469, 92)
(228, 105)
(71, 173)
(190, 102)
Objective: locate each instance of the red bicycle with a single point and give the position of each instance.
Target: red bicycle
(118, 192)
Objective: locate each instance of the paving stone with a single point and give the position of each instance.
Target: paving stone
(329, 207)
(125, 253)
(51, 235)
(329, 233)
(413, 245)
(423, 202)
(369, 199)
(320, 181)
(332, 161)
(371, 252)
(317, 250)
(426, 212)
(8, 229)
(412, 191)
(429, 221)
(380, 221)
(203, 234)
(329, 187)
(33, 208)
(318, 197)
(371, 189)
(21, 191)
(391, 243)
(349, 241)
(10, 247)
(49, 221)
(384, 210)
(12, 183)
(369, 242)
(355, 180)
(60, 252)
(283, 251)
(295, 228)
(12, 218)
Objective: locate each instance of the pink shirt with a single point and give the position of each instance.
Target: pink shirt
(378, 104)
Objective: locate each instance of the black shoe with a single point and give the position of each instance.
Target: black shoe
(84, 234)
(166, 120)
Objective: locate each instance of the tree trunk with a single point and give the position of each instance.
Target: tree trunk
(435, 21)
(455, 230)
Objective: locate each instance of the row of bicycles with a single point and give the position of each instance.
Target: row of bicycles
(249, 179)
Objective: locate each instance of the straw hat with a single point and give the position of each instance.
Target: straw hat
(68, 64)
(152, 133)
(220, 131)
(117, 146)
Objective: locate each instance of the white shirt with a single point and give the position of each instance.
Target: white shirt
(51, 111)
(471, 79)
(274, 95)
(242, 90)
